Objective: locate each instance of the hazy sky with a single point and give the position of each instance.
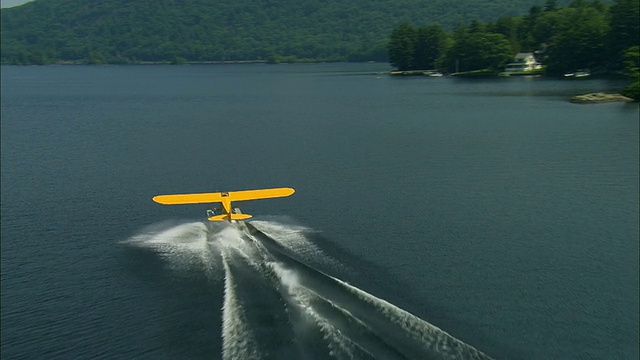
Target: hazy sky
(10, 3)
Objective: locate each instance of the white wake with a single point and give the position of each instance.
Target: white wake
(325, 314)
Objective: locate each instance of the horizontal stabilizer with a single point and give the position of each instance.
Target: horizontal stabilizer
(225, 217)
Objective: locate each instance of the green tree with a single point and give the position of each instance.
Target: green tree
(632, 67)
(550, 5)
(478, 51)
(178, 60)
(526, 28)
(579, 41)
(95, 58)
(543, 29)
(509, 26)
(402, 46)
(632, 61)
(625, 28)
(431, 42)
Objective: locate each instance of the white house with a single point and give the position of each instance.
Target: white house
(523, 62)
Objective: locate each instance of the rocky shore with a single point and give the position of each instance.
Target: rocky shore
(595, 98)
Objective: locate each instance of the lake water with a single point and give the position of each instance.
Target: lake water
(434, 217)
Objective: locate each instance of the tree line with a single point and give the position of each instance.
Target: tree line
(585, 34)
(125, 31)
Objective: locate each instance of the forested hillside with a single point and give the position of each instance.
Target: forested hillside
(122, 31)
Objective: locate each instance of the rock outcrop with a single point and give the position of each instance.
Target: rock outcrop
(598, 98)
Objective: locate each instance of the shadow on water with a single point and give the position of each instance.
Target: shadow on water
(263, 290)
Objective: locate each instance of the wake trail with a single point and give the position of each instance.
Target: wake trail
(264, 312)
(429, 339)
(347, 336)
(184, 247)
(405, 333)
(294, 241)
(277, 301)
(237, 342)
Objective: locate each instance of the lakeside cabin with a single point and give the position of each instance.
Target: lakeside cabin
(523, 62)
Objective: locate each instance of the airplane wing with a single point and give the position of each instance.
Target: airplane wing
(242, 195)
(188, 198)
(258, 194)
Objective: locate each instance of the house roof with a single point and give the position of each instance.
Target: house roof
(523, 55)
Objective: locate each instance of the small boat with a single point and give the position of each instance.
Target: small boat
(582, 73)
(578, 73)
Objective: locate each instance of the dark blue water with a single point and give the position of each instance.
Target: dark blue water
(487, 214)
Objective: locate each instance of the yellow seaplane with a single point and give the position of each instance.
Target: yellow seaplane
(227, 212)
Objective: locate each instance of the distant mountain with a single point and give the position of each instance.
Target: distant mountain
(45, 31)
